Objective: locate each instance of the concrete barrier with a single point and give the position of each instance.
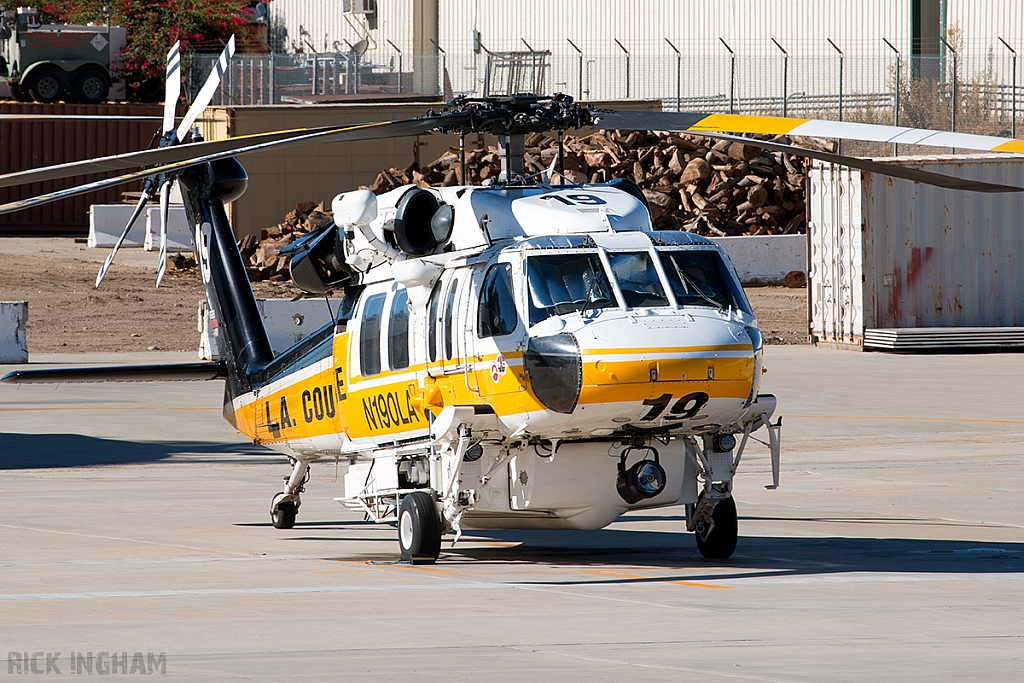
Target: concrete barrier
(765, 259)
(13, 317)
(179, 237)
(106, 221)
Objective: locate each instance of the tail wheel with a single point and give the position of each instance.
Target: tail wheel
(46, 84)
(419, 528)
(721, 542)
(284, 516)
(91, 86)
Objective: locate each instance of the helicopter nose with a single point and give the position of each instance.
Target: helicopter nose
(555, 369)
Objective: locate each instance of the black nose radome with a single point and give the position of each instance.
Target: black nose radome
(556, 371)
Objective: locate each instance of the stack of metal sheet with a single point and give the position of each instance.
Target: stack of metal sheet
(944, 337)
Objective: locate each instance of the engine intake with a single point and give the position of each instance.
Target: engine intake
(422, 223)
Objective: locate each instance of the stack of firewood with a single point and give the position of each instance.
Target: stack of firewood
(691, 182)
(261, 254)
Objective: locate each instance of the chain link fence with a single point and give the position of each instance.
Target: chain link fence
(971, 92)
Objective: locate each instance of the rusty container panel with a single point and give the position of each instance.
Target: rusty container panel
(926, 257)
(32, 144)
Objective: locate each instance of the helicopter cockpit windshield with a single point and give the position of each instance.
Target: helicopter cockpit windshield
(698, 277)
(563, 283)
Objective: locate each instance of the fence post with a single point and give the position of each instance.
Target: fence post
(679, 69)
(896, 103)
(272, 100)
(444, 59)
(579, 54)
(1013, 92)
(732, 74)
(952, 103)
(395, 47)
(623, 48)
(839, 147)
(785, 76)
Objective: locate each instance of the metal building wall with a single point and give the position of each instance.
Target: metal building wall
(31, 144)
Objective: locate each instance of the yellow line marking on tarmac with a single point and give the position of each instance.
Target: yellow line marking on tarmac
(899, 417)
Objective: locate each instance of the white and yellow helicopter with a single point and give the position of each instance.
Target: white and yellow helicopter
(528, 354)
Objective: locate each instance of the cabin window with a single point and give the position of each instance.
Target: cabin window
(699, 277)
(497, 313)
(398, 331)
(638, 280)
(563, 283)
(449, 320)
(369, 335)
(435, 299)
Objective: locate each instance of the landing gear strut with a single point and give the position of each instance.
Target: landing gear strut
(419, 528)
(285, 505)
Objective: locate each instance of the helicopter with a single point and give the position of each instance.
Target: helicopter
(529, 354)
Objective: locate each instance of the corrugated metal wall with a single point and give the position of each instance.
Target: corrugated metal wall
(888, 253)
(31, 144)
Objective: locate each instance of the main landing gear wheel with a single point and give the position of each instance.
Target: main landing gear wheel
(419, 528)
(284, 516)
(721, 542)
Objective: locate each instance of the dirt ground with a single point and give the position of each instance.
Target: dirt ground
(67, 314)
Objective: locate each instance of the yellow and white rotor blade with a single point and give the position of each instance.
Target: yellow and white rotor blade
(687, 122)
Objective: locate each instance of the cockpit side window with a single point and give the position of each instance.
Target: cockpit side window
(637, 278)
(698, 277)
(369, 335)
(398, 331)
(563, 283)
(497, 313)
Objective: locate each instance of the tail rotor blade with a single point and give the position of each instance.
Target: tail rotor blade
(172, 86)
(120, 240)
(161, 268)
(205, 95)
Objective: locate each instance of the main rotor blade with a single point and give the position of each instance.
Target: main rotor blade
(172, 85)
(883, 168)
(74, 117)
(120, 240)
(206, 93)
(691, 122)
(364, 131)
(179, 153)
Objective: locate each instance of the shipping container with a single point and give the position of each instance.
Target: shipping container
(888, 256)
(32, 144)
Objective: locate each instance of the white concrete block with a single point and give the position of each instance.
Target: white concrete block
(767, 258)
(106, 221)
(179, 236)
(13, 317)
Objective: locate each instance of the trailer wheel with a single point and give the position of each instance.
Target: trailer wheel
(91, 86)
(19, 93)
(419, 528)
(46, 84)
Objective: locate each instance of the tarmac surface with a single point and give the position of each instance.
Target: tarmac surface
(135, 521)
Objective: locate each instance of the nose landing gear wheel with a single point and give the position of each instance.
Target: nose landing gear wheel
(721, 542)
(284, 516)
(419, 529)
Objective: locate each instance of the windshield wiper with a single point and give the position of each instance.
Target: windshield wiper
(692, 285)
